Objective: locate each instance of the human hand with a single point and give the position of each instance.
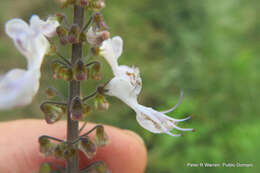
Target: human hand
(19, 147)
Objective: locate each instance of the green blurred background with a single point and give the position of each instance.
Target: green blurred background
(206, 48)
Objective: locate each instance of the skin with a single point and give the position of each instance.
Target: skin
(19, 148)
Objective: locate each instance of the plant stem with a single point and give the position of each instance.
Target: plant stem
(74, 90)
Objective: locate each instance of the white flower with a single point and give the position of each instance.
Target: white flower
(18, 86)
(126, 85)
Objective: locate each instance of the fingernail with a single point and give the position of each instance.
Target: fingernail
(134, 135)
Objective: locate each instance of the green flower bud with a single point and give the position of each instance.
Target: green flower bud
(96, 71)
(99, 23)
(68, 74)
(80, 71)
(60, 149)
(52, 113)
(86, 110)
(46, 146)
(70, 152)
(62, 33)
(87, 147)
(83, 3)
(101, 138)
(73, 36)
(43, 140)
(76, 109)
(101, 103)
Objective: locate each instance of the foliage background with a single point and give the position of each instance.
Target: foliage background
(206, 48)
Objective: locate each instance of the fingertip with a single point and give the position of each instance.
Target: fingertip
(125, 152)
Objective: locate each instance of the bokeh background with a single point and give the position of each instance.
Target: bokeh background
(209, 49)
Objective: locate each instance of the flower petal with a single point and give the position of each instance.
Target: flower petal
(47, 28)
(111, 49)
(15, 27)
(19, 31)
(18, 87)
(33, 45)
(122, 89)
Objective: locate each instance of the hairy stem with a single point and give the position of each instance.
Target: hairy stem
(74, 90)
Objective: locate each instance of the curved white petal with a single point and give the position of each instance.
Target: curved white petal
(111, 50)
(155, 121)
(19, 31)
(47, 28)
(18, 87)
(117, 45)
(15, 26)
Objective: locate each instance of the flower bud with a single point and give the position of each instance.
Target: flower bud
(68, 74)
(99, 23)
(60, 149)
(76, 109)
(73, 36)
(87, 147)
(80, 71)
(56, 68)
(97, 5)
(70, 152)
(96, 71)
(83, 3)
(61, 72)
(46, 146)
(51, 92)
(101, 137)
(52, 113)
(43, 140)
(62, 33)
(101, 103)
(86, 110)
